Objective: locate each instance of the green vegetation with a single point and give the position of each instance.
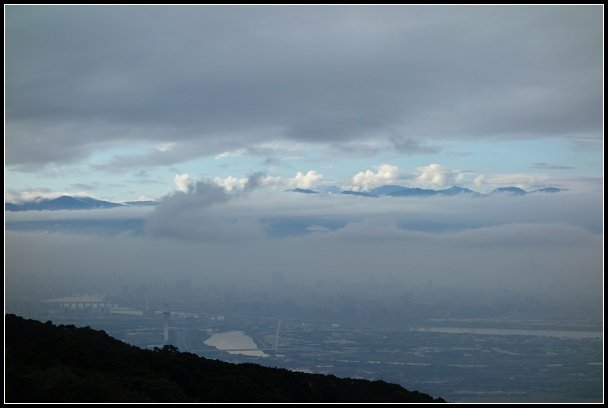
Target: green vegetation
(48, 363)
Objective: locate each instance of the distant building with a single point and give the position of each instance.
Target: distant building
(83, 302)
(147, 311)
(166, 317)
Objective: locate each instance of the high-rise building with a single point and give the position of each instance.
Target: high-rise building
(166, 317)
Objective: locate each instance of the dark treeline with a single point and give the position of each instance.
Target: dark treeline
(48, 363)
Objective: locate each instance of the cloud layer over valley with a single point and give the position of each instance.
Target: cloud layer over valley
(543, 244)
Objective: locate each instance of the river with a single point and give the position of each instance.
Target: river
(235, 342)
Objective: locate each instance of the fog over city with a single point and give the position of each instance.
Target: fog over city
(539, 245)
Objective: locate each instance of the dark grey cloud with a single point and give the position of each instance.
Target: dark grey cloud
(357, 148)
(272, 161)
(201, 213)
(213, 78)
(154, 157)
(143, 177)
(207, 209)
(254, 181)
(549, 166)
(409, 145)
(461, 154)
(96, 186)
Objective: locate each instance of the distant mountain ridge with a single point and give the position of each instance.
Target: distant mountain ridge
(48, 363)
(392, 190)
(66, 202)
(509, 190)
(89, 203)
(302, 190)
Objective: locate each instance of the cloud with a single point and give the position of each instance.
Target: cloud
(231, 154)
(198, 194)
(479, 180)
(164, 147)
(115, 213)
(549, 166)
(182, 182)
(309, 180)
(433, 216)
(412, 146)
(273, 162)
(154, 157)
(382, 174)
(432, 175)
(436, 175)
(539, 244)
(503, 235)
(461, 154)
(547, 235)
(306, 180)
(117, 221)
(382, 142)
(143, 177)
(146, 75)
(521, 180)
(231, 183)
(258, 180)
(364, 148)
(200, 213)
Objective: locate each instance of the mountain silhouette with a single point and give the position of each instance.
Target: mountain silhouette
(48, 363)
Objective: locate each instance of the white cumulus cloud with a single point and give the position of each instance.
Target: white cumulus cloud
(308, 180)
(436, 175)
(230, 183)
(383, 174)
(182, 181)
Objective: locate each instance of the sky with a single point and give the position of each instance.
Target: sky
(215, 111)
(134, 102)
